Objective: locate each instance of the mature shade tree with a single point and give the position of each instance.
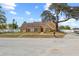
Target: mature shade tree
(74, 12)
(47, 15)
(58, 9)
(69, 11)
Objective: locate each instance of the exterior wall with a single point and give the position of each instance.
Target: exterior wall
(35, 29)
(46, 30)
(23, 30)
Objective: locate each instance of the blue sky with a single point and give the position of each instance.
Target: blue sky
(21, 12)
(29, 12)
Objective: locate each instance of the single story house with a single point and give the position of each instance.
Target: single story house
(38, 26)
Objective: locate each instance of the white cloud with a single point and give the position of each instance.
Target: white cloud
(71, 22)
(17, 17)
(33, 20)
(30, 20)
(36, 7)
(9, 6)
(47, 6)
(39, 19)
(28, 12)
(13, 12)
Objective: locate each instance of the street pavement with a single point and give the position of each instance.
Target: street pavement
(67, 46)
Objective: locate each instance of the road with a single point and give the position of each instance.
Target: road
(67, 46)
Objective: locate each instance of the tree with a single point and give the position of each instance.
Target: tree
(58, 9)
(74, 12)
(2, 19)
(64, 27)
(47, 15)
(61, 27)
(2, 16)
(13, 25)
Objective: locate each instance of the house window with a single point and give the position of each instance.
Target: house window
(35, 29)
(32, 29)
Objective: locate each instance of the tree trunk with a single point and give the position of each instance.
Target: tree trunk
(57, 23)
(57, 27)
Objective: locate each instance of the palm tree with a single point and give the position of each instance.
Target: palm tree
(2, 18)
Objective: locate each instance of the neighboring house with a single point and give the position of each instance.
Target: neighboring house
(38, 27)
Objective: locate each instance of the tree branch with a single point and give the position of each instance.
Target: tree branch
(64, 20)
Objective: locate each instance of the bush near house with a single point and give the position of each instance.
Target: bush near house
(2, 26)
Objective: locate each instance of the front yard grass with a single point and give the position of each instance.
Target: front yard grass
(31, 35)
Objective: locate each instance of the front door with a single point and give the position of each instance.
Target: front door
(41, 29)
